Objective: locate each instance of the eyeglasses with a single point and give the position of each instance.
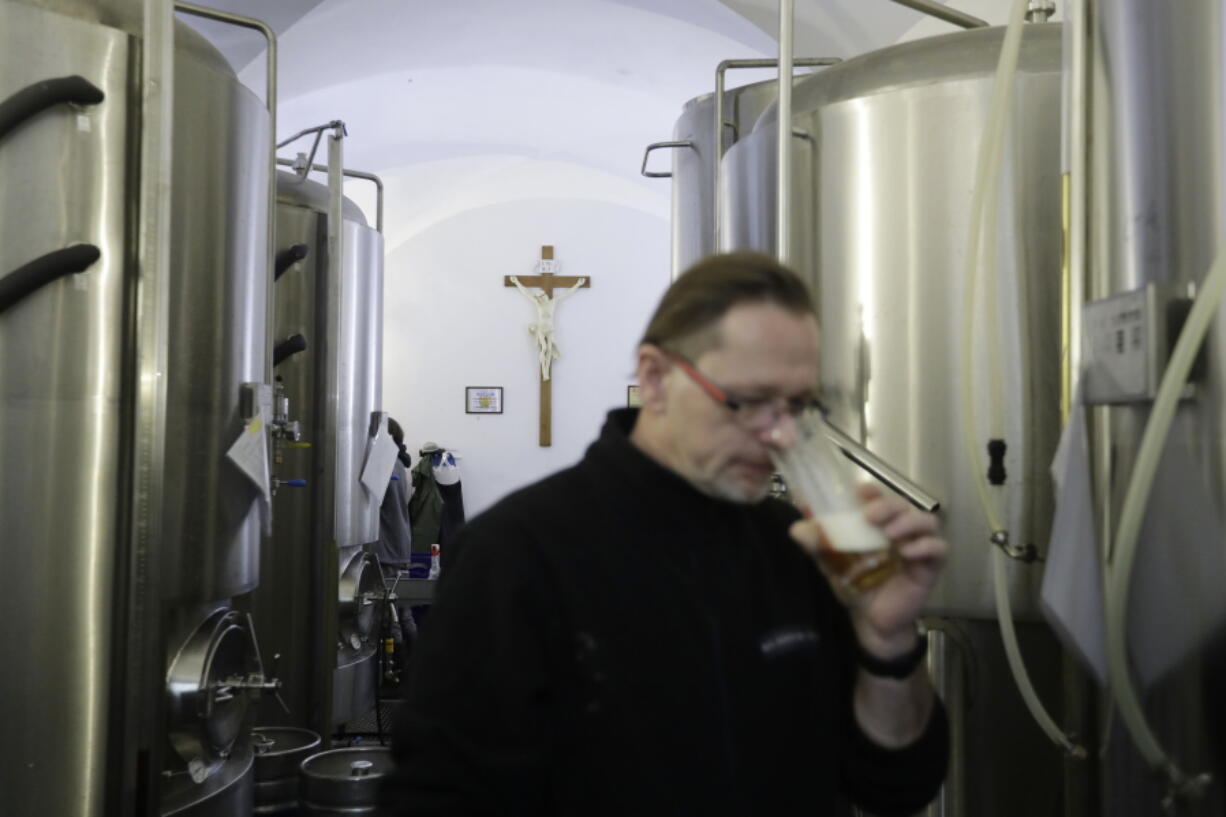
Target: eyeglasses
(751, 412)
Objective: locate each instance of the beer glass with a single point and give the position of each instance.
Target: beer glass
(853, 554)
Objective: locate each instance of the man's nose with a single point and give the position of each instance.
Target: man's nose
(782, 433)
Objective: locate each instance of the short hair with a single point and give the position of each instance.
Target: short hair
(691, 307)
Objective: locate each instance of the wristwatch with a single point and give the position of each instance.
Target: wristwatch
(900, 666)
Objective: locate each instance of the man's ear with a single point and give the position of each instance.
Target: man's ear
(653, 365)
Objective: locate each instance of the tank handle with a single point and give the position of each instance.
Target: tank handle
(36, 98)
(288, 348)
(44, 270)
(655, 174)
(288, 257)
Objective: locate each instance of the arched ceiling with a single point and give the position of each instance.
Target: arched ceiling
(466, 94)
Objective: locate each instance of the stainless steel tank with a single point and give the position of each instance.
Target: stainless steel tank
(884, 159)
(693, 173)
(1155, 217)
(62, 174)
(67, 387)
(333, 384)
(344, 781)
(279, 751)
(219, 290)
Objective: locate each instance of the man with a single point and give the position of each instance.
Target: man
(639, 634)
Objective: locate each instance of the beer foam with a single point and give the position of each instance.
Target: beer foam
(850, 532)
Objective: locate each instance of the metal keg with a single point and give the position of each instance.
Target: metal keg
(343, 781)
(279, 750)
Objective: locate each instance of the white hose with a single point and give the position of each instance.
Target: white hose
(1135, 498)
(986, 188)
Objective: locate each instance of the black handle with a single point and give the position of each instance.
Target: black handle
(42, 271)
(290, 346)
(996, 458)
(287, 259)
(38, 97)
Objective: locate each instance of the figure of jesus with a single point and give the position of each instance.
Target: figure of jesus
(542, 331)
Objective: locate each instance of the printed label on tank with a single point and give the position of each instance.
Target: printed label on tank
(250, 454)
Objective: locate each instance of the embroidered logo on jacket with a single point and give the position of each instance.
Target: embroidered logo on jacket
(788, 640)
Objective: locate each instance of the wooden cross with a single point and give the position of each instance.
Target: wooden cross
(543, 329)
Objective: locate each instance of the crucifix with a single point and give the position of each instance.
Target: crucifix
(542, 330)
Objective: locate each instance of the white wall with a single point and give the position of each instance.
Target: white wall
(449, 323)
(498, 127)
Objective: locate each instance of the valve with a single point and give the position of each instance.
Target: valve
(1022, 553)
(1040, 11)
(283, 428)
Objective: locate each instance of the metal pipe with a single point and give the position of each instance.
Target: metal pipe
(305, 131)
(655, 174)
(1076, 193)
(353, 174)
(303, 164)
(371, 177)
(882, 470)
(933, 9)
(139, 655)
(720, 124)
(783, 163)
(270, 99)
(949, 655)
(335, 239)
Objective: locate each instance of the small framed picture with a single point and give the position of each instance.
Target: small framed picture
(633, 400)
(483, 400)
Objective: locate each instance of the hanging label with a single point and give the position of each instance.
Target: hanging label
(1072, 591)
(380, 459)
(250, 453)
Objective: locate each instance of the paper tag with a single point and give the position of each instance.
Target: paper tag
(250, 454)
(1072, 593)
(380, 458)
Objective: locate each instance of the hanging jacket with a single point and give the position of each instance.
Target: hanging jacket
(425, 507)
(395, 537)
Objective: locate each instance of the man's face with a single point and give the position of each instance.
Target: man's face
(765, 352)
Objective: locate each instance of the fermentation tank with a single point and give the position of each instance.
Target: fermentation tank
(218, 318)
(81, 685)
(883, 161)
(883, 168)
(315, 607)
(61, 357)
(1154, 187)
(693, 166)
(219, 289)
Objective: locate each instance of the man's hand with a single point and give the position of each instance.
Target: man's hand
(884, 616)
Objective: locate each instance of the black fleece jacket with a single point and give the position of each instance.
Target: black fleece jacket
(610, 641)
